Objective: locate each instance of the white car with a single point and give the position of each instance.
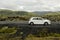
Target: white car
(39, 20)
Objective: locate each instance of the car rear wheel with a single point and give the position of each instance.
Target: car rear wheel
(31, 23)
(46, 23)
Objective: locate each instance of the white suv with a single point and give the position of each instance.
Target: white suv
(39, 20)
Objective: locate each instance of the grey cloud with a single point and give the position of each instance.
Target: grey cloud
(41, 5)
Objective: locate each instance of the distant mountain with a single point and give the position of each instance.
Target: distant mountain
(44, 12)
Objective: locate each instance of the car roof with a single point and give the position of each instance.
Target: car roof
(34, 17)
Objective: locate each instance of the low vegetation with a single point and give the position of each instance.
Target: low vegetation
(37, 34)
(52, 16)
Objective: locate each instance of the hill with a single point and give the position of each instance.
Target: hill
(45, 12)
(9, 15)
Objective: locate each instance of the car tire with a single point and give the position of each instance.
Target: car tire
(46, 23)
(31, 23)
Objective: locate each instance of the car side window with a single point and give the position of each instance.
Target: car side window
(39, 18)
(35, 18)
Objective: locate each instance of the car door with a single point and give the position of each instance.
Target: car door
(35, 20)
(40, 21)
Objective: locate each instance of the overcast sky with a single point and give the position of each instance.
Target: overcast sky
(31, 5)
